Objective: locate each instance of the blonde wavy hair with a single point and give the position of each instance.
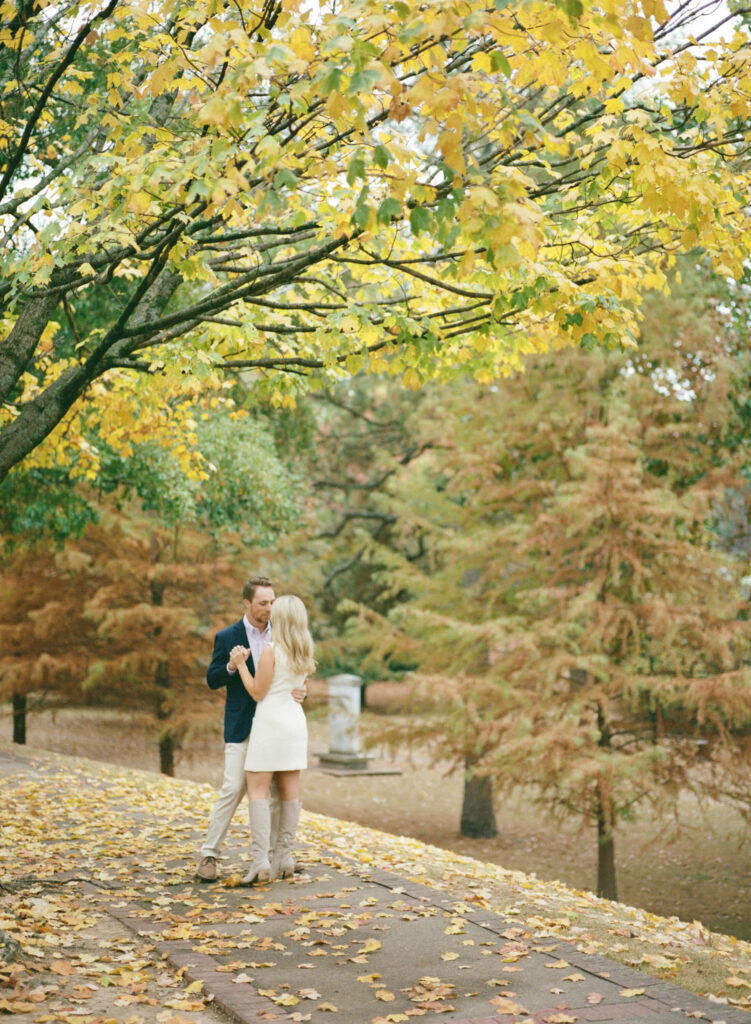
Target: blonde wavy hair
(289, 622)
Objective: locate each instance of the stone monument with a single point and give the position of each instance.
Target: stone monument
(344, 712)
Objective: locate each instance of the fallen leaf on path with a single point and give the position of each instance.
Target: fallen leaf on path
(656, 960)
(286, 1000)
(62, 967)
(506, 1007)
(629, 992)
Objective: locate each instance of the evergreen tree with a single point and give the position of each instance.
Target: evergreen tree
(575, 624)
(45, 640)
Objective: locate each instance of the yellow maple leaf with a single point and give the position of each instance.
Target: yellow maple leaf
(286, 1000)
(504, 1006)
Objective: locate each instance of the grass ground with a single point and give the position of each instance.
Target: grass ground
(700, 873)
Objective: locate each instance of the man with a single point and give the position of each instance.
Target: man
(253, 631)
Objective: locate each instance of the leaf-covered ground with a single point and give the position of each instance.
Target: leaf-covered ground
(697, 873)
(80, 835)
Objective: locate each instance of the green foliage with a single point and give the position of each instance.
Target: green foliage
(42, 503)
(246, 486)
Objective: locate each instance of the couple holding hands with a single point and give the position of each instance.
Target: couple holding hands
(263, 661)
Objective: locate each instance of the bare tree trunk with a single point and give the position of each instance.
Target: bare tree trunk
(163, 708)
(606, 885)
(19, 717)
(167, 754)
(478, 815)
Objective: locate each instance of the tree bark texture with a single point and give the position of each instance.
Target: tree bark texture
(17, 350)
(19, 717)
(167, 754)
(478, 815)
(606, 884)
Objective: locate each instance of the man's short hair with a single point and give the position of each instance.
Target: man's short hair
(252, 584)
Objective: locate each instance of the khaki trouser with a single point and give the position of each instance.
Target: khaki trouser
(232, 791)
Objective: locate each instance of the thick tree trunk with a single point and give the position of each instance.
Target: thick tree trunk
(606, 885)
(17, 349)
(41, 415)
(478, 815)
(167, 754)
(38, 418)
(19, 717)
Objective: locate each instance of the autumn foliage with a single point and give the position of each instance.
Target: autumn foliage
(120, 617)
(575, 623)
(417, 189)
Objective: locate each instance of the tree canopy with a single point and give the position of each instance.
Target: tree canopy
(303, 191)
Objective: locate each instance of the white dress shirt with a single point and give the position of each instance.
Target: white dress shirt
(257, 640)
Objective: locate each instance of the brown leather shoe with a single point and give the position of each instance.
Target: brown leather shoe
(206, 870)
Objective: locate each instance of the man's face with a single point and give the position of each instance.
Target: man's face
(258, 610)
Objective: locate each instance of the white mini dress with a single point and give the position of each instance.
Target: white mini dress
(279, 733)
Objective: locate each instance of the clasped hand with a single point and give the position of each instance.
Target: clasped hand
(238, 656)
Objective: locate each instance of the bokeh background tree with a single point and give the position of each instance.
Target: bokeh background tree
(576, 622)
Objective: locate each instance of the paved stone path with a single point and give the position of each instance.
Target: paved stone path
(365, 945)
(475, 967)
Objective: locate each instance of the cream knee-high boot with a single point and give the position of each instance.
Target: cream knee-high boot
(283, 862)
(260, 824)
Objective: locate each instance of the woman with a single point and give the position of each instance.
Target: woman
(279, 734)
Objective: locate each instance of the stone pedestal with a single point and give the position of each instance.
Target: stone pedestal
(344, 712)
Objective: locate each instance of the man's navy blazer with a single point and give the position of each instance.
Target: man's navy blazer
(239, 707)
